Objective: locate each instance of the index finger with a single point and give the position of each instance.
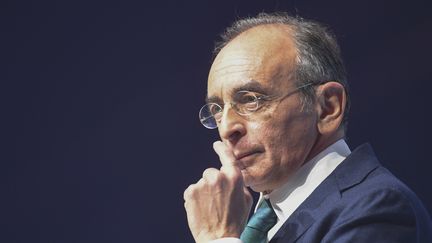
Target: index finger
(225, 154)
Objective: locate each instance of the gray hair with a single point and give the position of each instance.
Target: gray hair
(318, 59)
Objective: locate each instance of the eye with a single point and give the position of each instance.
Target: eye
(246, 97)
(214, 108)
(247, 101)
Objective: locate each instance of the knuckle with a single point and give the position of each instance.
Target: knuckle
(212, 176)
(209, 172)
(200, 183)
(214, 182)
(188, 193)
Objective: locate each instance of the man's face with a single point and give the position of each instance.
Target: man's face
(273, 142)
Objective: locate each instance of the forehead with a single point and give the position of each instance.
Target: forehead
(263, 56)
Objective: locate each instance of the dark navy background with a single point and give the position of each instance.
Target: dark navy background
(100, 132)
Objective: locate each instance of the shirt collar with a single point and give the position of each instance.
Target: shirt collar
(290, 195)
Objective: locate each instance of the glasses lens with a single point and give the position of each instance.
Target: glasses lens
(247, 102)
(207, 115)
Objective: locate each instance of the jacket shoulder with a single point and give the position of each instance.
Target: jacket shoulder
(379, 208)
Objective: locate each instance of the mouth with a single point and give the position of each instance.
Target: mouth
(244, 156)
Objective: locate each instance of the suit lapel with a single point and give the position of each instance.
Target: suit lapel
(348, 174)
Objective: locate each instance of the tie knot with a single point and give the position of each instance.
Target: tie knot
(264, 218)
(259, 224)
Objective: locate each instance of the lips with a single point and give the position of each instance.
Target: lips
(244, 155)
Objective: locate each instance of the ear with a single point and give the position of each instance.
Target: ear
(331, 101)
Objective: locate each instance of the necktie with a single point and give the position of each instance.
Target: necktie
(259, 224)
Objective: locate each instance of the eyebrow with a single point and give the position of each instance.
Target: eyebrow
(213, 99)
(252, 85)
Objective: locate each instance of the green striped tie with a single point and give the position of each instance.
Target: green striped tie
(259, 224)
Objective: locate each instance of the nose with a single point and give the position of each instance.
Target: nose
(232, 126)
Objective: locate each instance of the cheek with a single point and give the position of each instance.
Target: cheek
(299, 138)
(271, 137)
(279, 134)
(288, 140)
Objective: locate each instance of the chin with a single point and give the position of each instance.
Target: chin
(251, 183)
(257, 188)
(246, 177)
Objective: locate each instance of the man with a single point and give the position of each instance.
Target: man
(277, 93)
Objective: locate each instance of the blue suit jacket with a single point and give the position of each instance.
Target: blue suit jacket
(360, 201)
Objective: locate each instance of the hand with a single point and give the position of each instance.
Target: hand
(218, 205)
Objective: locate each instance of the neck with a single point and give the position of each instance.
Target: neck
(323, 142)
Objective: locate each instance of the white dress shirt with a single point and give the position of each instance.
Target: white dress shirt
(286, 199)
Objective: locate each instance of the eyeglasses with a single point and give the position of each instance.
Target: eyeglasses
(247, 102)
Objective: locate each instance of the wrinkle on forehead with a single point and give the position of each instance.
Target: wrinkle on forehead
(264, 53)
(231, 63)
